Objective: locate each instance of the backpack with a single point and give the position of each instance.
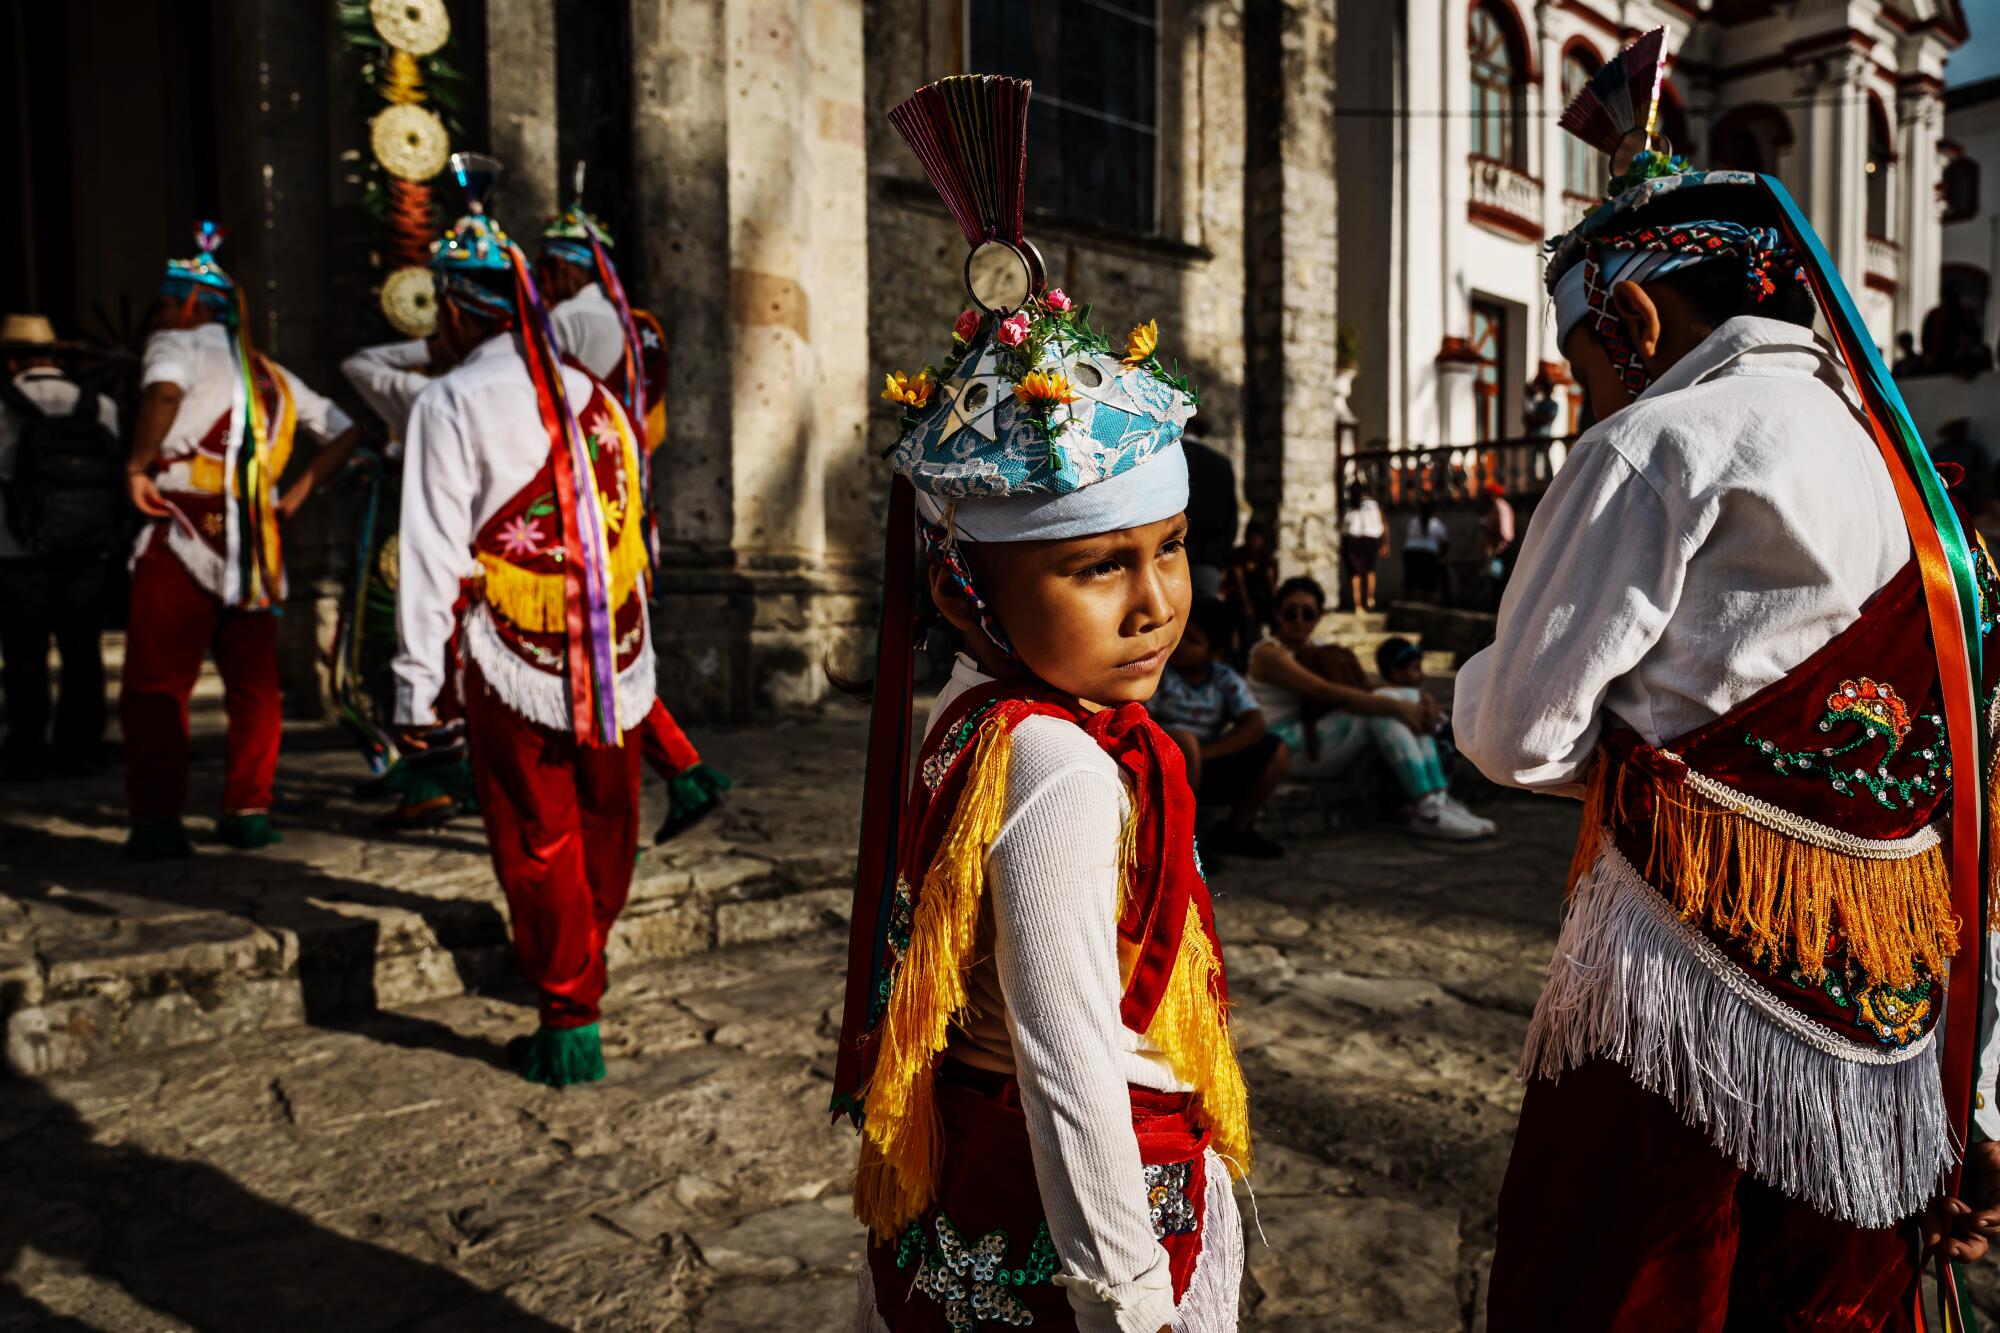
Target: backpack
(67, 494)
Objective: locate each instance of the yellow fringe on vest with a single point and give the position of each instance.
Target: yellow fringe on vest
(1192, 1030)
(902, 1143)
(1781, 897)
(536, 602)
(901, 1136)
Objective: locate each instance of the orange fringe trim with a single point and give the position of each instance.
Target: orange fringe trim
(1778, 896)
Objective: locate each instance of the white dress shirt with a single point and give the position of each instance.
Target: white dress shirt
(588, 328)
(389, 376)
(475, 439)
(55, 394)
(1694, 548)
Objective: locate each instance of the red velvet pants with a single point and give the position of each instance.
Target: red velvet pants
(665, 745)
(174, 623)
(1615, 1217)
(562, 824)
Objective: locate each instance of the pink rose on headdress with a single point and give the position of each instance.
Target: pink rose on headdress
(1057, 301)
(967, 326)
(1013, 330)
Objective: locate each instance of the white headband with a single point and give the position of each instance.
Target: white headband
(1154, 490)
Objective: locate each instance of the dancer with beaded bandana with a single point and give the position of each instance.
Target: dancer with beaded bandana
(598, 328)
(1746, 628)
(1035, 1044)
(521, 504)
(214, 430)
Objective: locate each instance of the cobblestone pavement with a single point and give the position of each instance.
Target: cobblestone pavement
(384, 1171)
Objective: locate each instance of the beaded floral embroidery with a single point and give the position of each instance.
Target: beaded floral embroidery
(1882, 715)
(939, 764)
(1893, 1015)
(1167, 1198)
(972, 1281)
(902, 918)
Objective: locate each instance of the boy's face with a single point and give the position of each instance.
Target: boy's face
(1410, 673)
(1096, 617)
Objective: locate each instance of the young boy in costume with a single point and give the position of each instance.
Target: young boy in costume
(521, 495)
(597, 326)
(1035, 1044)
(1746, 627)
(213, 434)
(1208, 710)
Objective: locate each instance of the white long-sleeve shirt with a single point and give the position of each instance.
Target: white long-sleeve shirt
(199, 363)
(1695, 547)
(475, 440)
(389, 377)
(588, 328)
(1046, 1009)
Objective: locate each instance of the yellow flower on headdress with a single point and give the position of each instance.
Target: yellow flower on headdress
(1140, 342)
(901, 388)
(1044, 386)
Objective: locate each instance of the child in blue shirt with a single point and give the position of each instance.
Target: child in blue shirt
(1209, 711)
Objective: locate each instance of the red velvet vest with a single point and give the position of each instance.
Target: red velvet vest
(521, 552)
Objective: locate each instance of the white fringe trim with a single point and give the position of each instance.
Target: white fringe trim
(1806, 830)
(1209, 1303)
(867, 1319)
(203, 564)
(1857, 1131)
(543, 696)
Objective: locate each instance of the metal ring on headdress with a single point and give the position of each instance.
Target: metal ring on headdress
(1032, 268)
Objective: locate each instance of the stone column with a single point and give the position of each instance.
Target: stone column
(1920, 118)
(1291, 263)
(747, 146)
(521, 108)
(1833, 151)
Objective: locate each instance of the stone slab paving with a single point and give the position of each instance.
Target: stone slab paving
(362, 1171)
(100, 959)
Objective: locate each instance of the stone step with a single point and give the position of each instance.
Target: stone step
(101, 960)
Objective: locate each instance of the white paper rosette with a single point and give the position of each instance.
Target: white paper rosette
(417, 26)
(409, 300)
(410, 142)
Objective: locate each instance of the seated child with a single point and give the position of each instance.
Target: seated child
(1209, 711)
(1035, 1044)
(1419, 760)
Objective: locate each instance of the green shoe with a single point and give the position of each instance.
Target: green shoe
(558, 1056)
(249, 832)
(157, 840)
(691, 797)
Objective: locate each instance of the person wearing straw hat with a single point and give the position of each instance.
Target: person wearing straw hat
(214, 432)
(597, 326)
(522, 503)
(1748, 631)
(1035, 1043)
(61, 481)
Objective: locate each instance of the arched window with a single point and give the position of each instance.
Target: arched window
(1750, 138)
(1960, 189)
(1881, 155)
(1499, 81)
(1583, 166)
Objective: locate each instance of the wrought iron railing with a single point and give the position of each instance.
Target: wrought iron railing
(1521, 467)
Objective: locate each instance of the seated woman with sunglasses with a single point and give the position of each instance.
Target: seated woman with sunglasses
(1317, 699)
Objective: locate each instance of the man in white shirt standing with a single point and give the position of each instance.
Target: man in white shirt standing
(595, 323)
(63, 513)
(521, 489)
(1718, 636)
(213, 435)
